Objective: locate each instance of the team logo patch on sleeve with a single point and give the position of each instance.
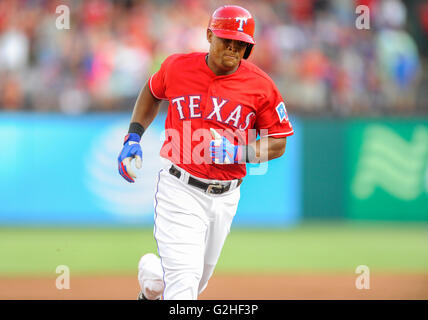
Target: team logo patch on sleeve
(282, 112)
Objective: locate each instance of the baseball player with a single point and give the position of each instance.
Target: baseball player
(219, 104)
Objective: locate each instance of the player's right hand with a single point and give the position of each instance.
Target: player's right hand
(131, 149)
(223, 151)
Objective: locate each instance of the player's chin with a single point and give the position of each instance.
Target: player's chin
(230, 61)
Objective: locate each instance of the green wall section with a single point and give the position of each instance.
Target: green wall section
(323, 168)
(364, 169)
(387, 168)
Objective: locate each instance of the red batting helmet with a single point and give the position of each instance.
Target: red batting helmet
(234, 22)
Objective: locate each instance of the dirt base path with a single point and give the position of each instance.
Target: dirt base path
(225, 287)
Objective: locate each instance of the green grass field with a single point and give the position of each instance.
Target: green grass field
(314, 248)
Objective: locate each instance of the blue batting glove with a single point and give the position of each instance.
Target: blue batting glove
(131, 150)
(222, 151)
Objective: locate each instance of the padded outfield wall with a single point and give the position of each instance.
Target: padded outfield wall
(365, 169)
(387, 170)
(58, 170)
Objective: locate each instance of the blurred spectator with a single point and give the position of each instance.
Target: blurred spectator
(399, 67)
(311, 48)
(11, 96)
(14, 50)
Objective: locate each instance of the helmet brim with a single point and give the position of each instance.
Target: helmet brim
(233, 35)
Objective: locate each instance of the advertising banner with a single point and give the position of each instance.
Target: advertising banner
(388, 170)
(58, 170)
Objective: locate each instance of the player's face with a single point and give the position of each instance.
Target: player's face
(225, 54)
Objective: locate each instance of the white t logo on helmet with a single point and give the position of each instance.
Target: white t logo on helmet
(241, 23)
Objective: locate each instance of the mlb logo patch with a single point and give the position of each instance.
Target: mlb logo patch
(282, 112)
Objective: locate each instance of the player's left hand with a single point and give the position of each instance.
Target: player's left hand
(131, 149)
(222, 151)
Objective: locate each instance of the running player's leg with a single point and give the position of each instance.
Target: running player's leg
(218, 229)
(180, 233)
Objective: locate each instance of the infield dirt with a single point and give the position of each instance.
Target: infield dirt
(225, 287)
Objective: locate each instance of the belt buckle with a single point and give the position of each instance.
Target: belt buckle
(213, 186)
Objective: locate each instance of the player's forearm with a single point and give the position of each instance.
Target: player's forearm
(146, 108)
(265, 149)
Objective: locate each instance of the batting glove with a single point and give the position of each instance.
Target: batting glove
(222, 151)
(131, 149)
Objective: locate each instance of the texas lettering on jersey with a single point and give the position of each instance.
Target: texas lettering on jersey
(221, 110)
(239, 106)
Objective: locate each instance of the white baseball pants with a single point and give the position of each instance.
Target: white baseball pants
(190, 228)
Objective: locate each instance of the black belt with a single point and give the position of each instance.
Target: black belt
(213, 188)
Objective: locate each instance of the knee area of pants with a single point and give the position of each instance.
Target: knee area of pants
(147, 260)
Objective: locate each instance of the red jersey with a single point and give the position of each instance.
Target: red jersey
(199, 99)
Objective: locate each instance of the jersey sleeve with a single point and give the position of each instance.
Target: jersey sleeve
(157, 82)
(272, 118)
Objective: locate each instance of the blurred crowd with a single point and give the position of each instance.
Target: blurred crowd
(318, 57)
